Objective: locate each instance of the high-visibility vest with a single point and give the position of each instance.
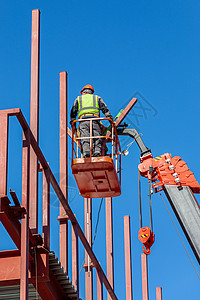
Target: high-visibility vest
(88, 104)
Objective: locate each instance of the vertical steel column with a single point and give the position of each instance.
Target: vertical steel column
(145, 291)
(25, 218)
(109, 243)
(75, 261)
(88, 234)
(34, 117)
(158, 293)
(99, 285)
(127, 248)
(3, 153)
(46, 208)
(63, 170)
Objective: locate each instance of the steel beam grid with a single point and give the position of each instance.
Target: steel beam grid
(45, 166)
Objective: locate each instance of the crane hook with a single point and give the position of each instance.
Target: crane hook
(147, 237)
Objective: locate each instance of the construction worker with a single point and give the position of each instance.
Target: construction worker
(88, 106)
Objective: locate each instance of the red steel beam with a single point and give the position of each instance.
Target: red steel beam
(99, 285)
(88, 234)
(66, 206)
(145, 292)
(158, 293)
(109, 242)
(63, 170)
(125, 112)
(11, 222)
(3, 153)
(10, 267)
(75, 258)
(25, 219)
(34, 117)
(127, 248)
(46, 209)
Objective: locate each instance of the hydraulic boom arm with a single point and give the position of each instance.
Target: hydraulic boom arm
(173, 176)
(136, 136)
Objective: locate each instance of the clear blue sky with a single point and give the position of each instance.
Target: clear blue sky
(151, 48)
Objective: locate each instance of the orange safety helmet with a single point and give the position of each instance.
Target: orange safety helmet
(87, 86)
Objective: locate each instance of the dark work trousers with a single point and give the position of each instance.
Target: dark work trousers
(84, 128)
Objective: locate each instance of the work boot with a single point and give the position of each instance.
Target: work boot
(96, 154)
(86, 154)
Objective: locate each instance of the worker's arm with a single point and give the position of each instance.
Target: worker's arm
(103, 107)
(74, 111)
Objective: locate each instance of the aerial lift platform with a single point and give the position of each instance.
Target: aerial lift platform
(99, 177)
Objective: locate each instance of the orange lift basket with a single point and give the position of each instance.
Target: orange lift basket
(97, 177)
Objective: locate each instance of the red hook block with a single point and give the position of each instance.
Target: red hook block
(147, 237)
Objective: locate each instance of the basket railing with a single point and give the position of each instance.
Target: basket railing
(108, 137)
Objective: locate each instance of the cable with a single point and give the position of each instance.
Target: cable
(81, 267)
(150, 207)
(95, 234)
(140, 201)
(179, 236)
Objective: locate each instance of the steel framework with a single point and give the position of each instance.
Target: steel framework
(33, 263)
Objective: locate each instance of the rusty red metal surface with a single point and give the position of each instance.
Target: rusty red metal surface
(46, 209)
(128, 266)
(109, 242)
(158, 293)
(10, 267)
(25, 217)
(63, 170)
(145, 289)
(34, 117)
(3, 153)
(10, 221)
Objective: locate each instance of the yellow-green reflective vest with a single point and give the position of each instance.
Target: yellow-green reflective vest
(88, 104)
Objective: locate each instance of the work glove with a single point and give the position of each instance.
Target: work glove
(108, 115)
